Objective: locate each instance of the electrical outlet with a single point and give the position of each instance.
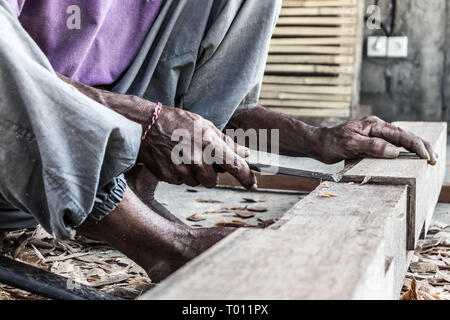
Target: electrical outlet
(377, 46)
(397, 47)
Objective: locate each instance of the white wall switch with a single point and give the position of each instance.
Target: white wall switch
(377, 46)
(397, 47)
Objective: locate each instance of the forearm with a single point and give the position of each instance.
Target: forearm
(297, 139)
(129, 106)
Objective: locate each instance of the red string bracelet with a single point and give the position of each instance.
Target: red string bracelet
(158, 109)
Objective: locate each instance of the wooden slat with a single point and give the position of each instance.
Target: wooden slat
(318, 43)
(304, 103)
(316, 20)
(314, 31)
(424, 181)
(313, 112)
(327, 59)
(311, 253)
(311, 49)
(286, 11)
(319, 3)
(342, 80)
(307, 89)
(314, 41)
(308, 68)
(303, 97)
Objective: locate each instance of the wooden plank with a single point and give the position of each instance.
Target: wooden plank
(313, 112)
(303, 103)
(308, 68)
(424, 181)
(314, 38)
(275, 182)
(311, 49)
(324, 59)
(322, 11)
(296, 96)
(314, 31)
(342, 80)
(445, 193)
(357, 65)
(319, 3)
(314, 41)
(348, 252)
(317, 20)
(307, 89)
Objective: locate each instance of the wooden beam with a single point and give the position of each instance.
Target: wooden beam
(445, 193)
(321, 249)
(275, 182)
(424, 181)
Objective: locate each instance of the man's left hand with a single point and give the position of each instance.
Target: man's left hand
(370, 136)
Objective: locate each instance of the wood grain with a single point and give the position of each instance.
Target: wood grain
(319, 250)
(424, 181)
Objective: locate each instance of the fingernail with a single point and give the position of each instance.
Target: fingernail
(254, 187)
(391, 152)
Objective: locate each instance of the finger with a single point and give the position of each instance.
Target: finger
(433, 155)
(206, 175)
(401, 138)
(378, 148)
(235, 165)
(187, 176)
(240, 150)
(162, 172)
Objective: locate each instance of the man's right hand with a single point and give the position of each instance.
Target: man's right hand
(156, 151)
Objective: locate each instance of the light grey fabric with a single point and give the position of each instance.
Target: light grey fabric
(60, 152)
(205, 56)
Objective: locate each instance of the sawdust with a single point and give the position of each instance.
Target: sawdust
(428, 277)
(83, 260)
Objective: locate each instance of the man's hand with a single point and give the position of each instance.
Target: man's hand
(156, 151)
(367, 137)
(370, 136)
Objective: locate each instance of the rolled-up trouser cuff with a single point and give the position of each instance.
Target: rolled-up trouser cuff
(107, 199)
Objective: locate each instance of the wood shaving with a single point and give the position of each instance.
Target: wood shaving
(257, 209)
(328, 195)
(195, 218)
(244, 214)
(234, 224)
(431, 267)
(83, 260)
(253, 200)
(201, 200)
(366, 179)
(111, 280)
(266, 223)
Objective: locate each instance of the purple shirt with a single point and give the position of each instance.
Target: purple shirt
(91, 41)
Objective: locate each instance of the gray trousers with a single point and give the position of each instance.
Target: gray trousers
(62, 155)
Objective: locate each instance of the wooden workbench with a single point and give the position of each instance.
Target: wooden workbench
(343, 241)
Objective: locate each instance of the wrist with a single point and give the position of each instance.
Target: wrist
(314, 140)
(319, 143)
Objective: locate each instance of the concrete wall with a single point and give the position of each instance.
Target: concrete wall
(418, 87)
